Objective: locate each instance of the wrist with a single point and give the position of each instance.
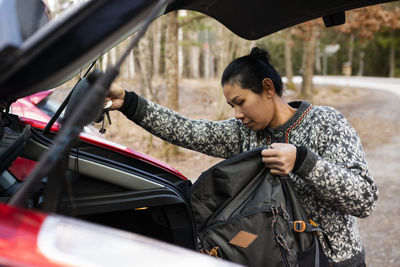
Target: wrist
(129, 104)
(122, 98)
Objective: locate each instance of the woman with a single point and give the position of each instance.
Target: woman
(314, 145)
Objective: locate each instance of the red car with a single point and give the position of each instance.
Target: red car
(70, 199)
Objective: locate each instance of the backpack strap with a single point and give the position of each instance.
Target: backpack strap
(302, 226)
(317, 251)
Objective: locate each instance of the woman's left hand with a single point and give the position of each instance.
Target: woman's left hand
(116, 95)
(279, 158)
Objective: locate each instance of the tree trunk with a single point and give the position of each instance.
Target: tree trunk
(392, 57)
(128, 68)
(131, 66)
(172, 72)
(307, 84)
(207, 56)
(157, 46)
(113, 55)
(288, 61)
(171, 61)
(222, 50)
(361, 64)
(194, 55)
(194, 61)
(145, 73)
(229, 47)
(351, 49)
(180, 52)
(224, 47)
(303, 58)
(318, 67)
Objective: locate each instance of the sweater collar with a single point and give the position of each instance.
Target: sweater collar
(301, 107)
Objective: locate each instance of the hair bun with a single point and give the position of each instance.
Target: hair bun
(260, 53)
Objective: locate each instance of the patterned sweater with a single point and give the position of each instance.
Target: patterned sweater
(333, 183)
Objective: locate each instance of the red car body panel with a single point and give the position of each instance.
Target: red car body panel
(36, 98)
(26, 107)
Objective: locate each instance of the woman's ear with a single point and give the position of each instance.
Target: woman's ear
(268, 87)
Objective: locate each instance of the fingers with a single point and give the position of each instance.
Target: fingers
(116, 95)
(269, 159)
(116, 92)
(270, 152)
(279, 158)
(116, 104)
(112, 104)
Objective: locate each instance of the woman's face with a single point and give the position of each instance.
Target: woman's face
(254, 110)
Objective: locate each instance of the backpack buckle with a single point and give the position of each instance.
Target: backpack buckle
(299, 226)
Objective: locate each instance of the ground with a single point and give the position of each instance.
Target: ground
(374, 114)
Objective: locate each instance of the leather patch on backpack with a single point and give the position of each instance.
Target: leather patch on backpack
(243, 239)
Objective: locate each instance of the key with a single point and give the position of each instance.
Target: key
(108, 105)
(105, 114)
(108, 117)
(102, 130)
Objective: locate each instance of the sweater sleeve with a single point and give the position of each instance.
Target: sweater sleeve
(338, 170)
(219, 139)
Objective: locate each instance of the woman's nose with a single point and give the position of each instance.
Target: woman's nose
(238, 114)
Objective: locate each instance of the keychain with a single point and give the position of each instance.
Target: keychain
(106, 112)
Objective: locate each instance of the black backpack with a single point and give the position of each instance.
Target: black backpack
(246, 215)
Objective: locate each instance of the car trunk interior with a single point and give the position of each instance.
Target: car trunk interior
(104, 187)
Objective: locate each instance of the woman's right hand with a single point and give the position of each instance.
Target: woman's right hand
(116, 95)
(279, 158)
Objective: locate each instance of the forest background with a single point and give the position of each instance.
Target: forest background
(180, 59)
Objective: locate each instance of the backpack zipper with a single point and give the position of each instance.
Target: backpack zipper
(246, 154)
(209, 228)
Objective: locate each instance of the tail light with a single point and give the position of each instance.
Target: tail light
(31, 238)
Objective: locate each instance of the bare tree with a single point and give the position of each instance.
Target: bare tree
(309, 32)
(189, 25)
(156, 31)
(144, 62)
(194, 55)
(171, 61)
(288, 59)
(171, 72)
(311, 39)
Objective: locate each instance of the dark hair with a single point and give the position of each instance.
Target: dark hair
(249, 72)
